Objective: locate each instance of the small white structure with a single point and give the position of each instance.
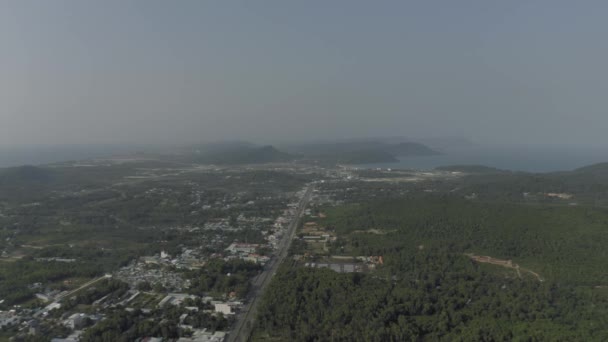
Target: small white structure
(242, 248)
(52, 306)
(174, 299)
(223, 308)
(75, 321)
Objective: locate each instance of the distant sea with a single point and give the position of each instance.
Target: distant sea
(36, 155)
(516, 158)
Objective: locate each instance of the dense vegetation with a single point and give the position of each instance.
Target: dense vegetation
(429, 290)
(564, 243)
(125, 326)
(588, 185)
(16, 276)
(166, 322)
(221, 277)
(441, 297)
(243, 155)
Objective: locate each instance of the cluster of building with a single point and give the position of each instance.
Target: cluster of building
(313, 232)
(8, 318)
(337, 267)
(341, 264)
(140, 272)
(273, 235)
(221, 224)
(75, 322)
(204, 335)
(209, 240)
(49, 295)
(189, 259)
(247, 252)
(219, 306)
(56, 259)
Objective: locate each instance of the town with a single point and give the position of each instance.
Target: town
(193, 274)
(190, 249)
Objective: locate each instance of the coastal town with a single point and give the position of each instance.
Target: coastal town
(195, 288)
(195, 249)
(204, 269)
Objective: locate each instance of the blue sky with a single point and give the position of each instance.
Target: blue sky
(172, 71)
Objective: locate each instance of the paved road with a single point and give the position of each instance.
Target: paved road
(60, 298)
(66, 295)
(246, 318)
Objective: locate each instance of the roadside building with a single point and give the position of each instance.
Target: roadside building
(223, 308)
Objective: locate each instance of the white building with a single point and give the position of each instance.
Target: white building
(224, 308)
(75, 321)
(242, 248)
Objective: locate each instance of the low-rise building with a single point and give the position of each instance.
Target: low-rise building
(76, 321)
(174, 299)
(237, 247)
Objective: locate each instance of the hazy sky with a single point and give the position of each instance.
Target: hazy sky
(165, 71)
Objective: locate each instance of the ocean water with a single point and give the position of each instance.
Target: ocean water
(45, 154)
(516, 158)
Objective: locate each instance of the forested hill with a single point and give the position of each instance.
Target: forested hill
(360, 151)
(601, 168)
(352, 152)
(597, 173)
(359, 157)
(536, 235)
(587, 185)
(477, 169)
(409, 149)
(243, 155)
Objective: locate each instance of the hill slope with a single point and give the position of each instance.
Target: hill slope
(410, 149)
(245, 155)
(360, 151)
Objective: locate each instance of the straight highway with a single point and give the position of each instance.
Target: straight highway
(246, 318)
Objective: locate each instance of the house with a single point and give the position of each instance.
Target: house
(76, 321)
(223, 308)
(43, 297)
(34, 327)
(52, 306)
(174, 299)
(258, 259)
(202, 335)
(246, 248)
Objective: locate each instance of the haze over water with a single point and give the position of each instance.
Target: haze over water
(516, 158)
(36, 155)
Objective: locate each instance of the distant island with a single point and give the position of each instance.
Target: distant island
(365, 151)
(480, 169)
(245, 155)
(340, 152)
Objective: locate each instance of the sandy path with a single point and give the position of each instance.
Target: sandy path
(504, 263)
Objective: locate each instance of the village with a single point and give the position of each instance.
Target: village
(152, 285)
(192, 274)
